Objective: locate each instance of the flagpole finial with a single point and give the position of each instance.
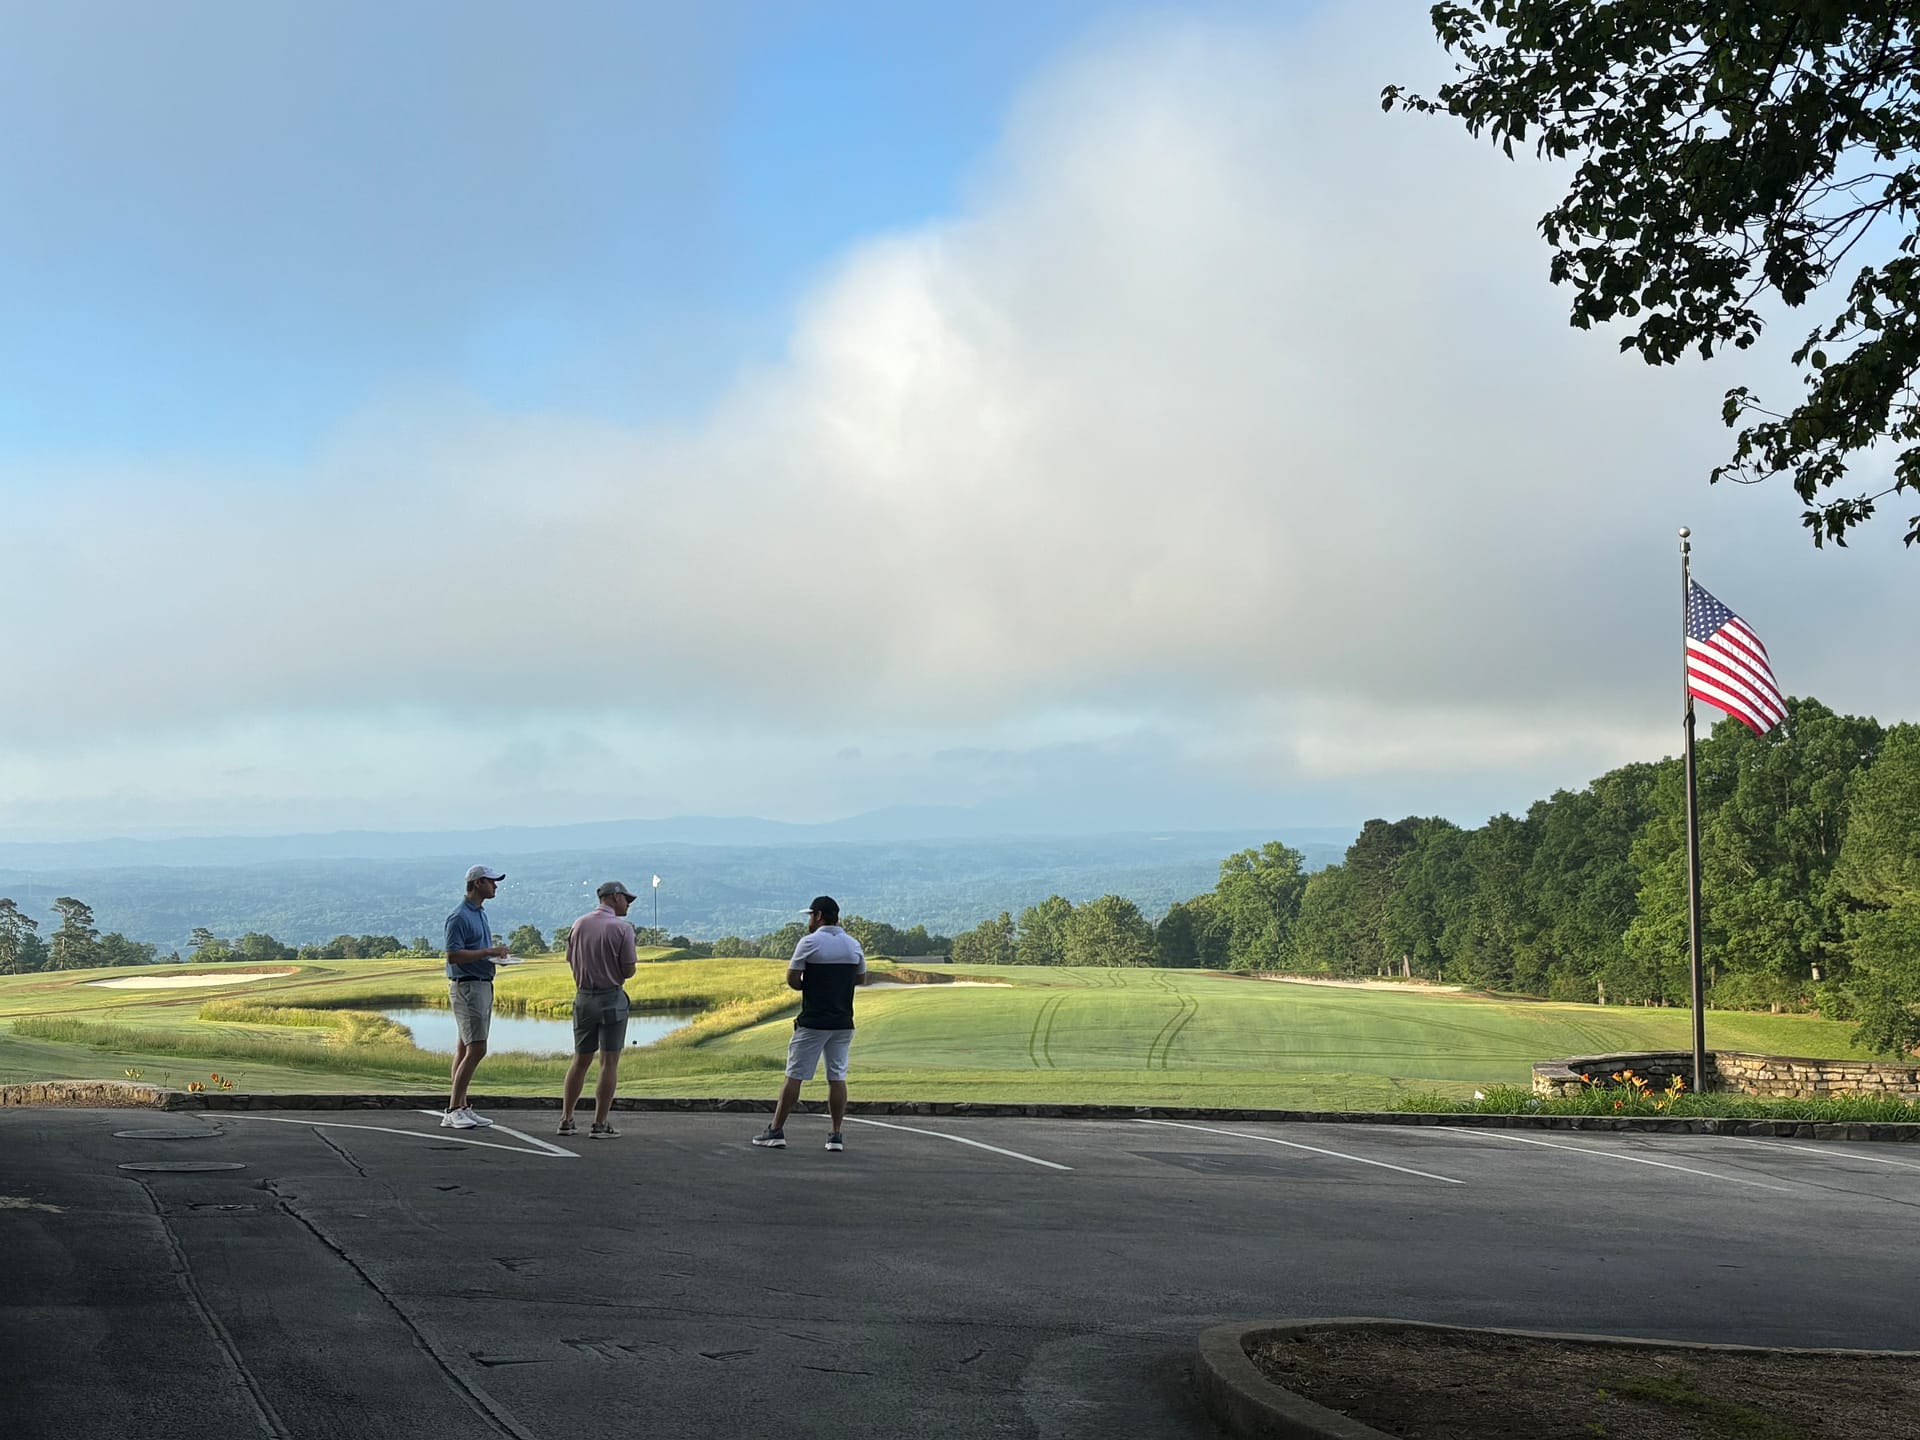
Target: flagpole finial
(1685, 532)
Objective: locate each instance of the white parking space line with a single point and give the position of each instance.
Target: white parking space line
(551, 1149)
(959, 1140)
(1296, 1145)
(545, 1150)
(1820, 1150)
(1611, 1155)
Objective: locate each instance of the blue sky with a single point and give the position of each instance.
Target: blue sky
(232, 229)
(441, 415)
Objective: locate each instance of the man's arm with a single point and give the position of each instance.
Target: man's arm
(458, 937)
(797, 967)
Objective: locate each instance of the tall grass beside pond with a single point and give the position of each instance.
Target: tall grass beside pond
(332, 1053)
(348, 1027)
(707, 985)
(727, 995)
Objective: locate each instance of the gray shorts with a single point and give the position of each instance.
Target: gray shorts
(806, 1048)
(472, 1004)
(599, 1020)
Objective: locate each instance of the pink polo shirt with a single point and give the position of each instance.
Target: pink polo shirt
(600, 950)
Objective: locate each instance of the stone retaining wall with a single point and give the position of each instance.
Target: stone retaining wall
(1736, 1072)
(87, 1095)
(1814, 1079)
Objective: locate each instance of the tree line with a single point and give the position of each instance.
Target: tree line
(1810, 881)
(77, 944)
(74, 944)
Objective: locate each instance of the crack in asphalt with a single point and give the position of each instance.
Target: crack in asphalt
(490, 1410)
(270, 1421)
(341, 1151)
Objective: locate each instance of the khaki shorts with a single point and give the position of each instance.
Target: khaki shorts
(599, 1020)
(472, 1004)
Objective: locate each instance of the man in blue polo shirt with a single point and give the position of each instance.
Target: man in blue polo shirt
(471, 954)
(827, 966)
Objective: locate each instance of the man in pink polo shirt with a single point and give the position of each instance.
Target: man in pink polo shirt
(600, 952)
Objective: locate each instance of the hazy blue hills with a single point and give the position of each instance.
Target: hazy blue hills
(741, 876)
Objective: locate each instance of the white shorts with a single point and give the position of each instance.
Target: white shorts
(806, 1047)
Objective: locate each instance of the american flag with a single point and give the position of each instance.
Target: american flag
(1727, 665)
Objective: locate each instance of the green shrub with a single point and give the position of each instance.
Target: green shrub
(1601, 1100)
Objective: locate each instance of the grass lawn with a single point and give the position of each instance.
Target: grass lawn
(1116, 1036)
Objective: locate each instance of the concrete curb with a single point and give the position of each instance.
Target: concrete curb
(1245, 1402)
(103, 1094)
(1239, 1395)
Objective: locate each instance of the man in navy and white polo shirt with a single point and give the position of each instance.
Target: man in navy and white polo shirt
(827, 966)
(471, 954)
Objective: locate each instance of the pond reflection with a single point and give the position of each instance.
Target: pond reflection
(527, 1034)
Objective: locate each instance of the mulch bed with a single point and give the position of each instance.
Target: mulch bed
(1458, 1385)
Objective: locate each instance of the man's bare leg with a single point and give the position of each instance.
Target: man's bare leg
(576, 1077)
(603, 1091)
(467, 1055)
(789, 1097)
(837, 1103)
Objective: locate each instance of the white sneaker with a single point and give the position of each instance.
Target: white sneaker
(474, 1119)
(459, 1120)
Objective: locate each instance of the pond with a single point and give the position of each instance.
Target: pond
(434, 1030)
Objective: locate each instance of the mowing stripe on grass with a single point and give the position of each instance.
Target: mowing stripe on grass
(1296, 1145)
(1180, 1023)
(959, 1140)
(1612, 1155)
(1155, 1046)
(1046, 1038)
(1040, 1039)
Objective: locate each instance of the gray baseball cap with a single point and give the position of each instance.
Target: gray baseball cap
(485, 872)
(614, 887)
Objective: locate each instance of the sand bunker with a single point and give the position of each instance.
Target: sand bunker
(186, 982)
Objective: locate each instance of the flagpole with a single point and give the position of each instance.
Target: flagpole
(1693, 836)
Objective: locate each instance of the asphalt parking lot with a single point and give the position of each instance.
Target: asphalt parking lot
(367, 1274)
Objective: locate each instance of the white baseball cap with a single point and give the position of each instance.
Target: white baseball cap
(485, 872)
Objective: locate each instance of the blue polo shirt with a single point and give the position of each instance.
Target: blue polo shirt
(467, 929)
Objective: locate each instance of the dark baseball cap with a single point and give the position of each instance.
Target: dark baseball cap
(826, 907)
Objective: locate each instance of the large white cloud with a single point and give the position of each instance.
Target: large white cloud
(1226, 402)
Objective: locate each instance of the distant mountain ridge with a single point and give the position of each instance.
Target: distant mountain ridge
(301, 895)
(896, 825)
